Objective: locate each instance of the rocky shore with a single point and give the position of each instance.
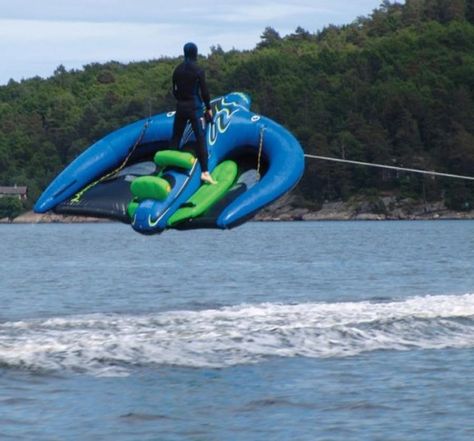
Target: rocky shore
(290, 208)
(33, 218)
(385, 208)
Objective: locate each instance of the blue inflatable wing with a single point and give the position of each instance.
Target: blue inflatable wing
(257, 161)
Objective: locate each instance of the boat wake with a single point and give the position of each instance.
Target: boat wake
(112, 344)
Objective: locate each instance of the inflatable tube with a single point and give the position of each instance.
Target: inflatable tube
(269, 162)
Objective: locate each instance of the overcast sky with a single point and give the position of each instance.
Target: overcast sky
(38, 35)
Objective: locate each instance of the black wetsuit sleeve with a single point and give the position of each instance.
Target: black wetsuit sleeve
(206, 98)
(175, 86)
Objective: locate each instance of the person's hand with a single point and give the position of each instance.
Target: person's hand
(208, 115)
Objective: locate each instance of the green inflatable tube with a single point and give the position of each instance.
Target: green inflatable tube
(207, 195)
(174, 158)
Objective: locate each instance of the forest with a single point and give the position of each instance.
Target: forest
(395, 87)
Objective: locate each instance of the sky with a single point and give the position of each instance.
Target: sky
(36, 36)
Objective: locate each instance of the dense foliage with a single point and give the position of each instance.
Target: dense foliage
(10, 207)
(396, 88)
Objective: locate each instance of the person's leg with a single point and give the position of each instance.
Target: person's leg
(201, 149)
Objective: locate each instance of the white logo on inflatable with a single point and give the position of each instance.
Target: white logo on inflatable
(222, 119)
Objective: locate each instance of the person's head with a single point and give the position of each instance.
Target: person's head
(190, 52)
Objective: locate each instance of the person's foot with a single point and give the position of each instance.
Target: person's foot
(206, 177)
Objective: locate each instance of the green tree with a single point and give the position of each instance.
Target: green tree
(10, 207)
(270, 37)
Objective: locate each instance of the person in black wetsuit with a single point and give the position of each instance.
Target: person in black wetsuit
(192, 95)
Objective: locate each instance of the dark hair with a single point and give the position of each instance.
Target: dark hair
(190, 51)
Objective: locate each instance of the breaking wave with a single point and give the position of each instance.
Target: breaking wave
(112, 344)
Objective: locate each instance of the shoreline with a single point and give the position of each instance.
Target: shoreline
(358, 208)
(286, 211)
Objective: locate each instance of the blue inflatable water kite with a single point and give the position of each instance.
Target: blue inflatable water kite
(130, 175)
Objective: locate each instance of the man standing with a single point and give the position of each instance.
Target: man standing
(192, 95)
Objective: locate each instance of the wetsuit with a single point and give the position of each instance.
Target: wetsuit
(190, 90)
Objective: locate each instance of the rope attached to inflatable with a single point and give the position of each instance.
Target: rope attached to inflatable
(391, 167)
(77, 197)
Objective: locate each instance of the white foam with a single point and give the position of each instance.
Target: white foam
(110, 344)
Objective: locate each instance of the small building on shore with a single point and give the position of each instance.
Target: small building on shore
(15, 191)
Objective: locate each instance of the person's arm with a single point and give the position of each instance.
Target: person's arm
(175, 86)
(206, 98)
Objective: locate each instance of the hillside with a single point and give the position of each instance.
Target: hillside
(396, 87)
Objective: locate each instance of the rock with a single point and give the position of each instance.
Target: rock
(298, 213)
(34, 218)
(369, 216)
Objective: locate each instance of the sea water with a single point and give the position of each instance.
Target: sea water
(272, 331)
